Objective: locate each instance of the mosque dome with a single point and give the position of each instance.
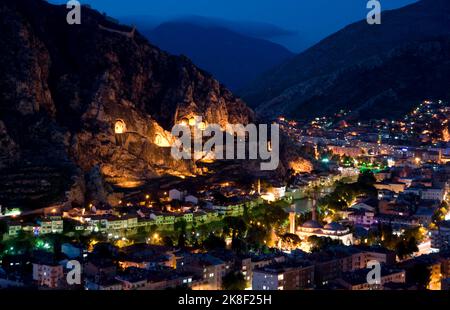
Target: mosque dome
(312, 224)
(334, 227)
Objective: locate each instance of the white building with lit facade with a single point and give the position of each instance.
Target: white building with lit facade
(440, 238)
(332, 230)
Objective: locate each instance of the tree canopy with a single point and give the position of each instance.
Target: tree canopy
(234, 281)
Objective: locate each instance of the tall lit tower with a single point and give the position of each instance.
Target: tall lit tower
(316, 152)
(292, 215)
(315, 198)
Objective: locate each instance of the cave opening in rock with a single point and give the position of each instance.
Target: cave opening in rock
(120, 127)
(161, 141)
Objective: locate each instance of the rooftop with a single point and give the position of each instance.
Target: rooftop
(312, 224)
(278, 268)
(334, 227)
(359, 277)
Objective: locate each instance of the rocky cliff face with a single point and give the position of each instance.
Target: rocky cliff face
(64, 87)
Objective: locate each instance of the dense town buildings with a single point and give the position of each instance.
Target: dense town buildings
(159, 240)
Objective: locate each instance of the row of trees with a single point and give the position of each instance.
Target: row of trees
(404, 245)
(252, 231)
(344, 193)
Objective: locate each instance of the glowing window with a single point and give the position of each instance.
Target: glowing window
(202, 126)
(161, 141)
(184, 122)
(120, 127)
(192, 121)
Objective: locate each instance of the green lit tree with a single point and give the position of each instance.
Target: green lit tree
(234, 226)
(167, 241)
(319, 243)
(292, 239)
(256, 236)
(180, 227)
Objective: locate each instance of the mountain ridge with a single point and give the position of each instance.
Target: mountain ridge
(65, 87)
(233, 58)
(305, 85)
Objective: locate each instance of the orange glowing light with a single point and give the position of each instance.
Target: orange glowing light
(202, 126)
(192, 122)
(120, 127)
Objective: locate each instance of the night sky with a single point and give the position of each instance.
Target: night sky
(311, 19)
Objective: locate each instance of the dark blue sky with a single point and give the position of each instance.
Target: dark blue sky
(311, 19)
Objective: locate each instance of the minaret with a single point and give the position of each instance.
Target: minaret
(314, 211)
(259, 186)
(292, 215)
(314, 207)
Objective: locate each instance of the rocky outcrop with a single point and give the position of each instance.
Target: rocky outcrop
(9, 150)
(65, 86)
